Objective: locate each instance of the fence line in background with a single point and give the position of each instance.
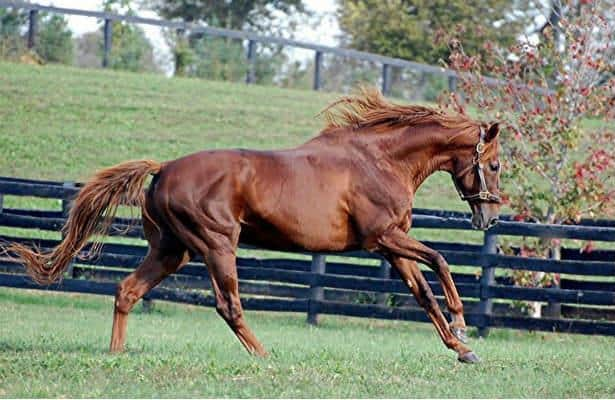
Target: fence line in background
(251, 37)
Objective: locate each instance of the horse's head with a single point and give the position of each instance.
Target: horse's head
(476, 174)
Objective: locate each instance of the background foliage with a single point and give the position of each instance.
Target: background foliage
(406, 28)
(224, 59)
(54, 42)
(543, 90)
(130, 48)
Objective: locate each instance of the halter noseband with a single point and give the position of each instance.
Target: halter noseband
(484, 194)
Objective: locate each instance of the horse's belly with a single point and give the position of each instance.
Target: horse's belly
(298, 236)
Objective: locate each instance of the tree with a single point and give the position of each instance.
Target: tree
(88, 53)
(218, 59)
(406, 28)
(222, 58)
(11, 22)
(11, 42)
(260, 15)
(550, 94)
(214, 58)
(130, 48)
(55, 40)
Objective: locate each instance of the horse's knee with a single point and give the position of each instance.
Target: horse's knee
(221, 309)
(124, 298)
(230, 311)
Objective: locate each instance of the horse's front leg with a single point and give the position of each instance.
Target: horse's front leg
(403, 253)
(434, 260)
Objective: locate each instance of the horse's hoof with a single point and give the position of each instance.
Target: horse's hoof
(460, 333)
(469, 358)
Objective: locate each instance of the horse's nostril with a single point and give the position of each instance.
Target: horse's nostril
(493, 221)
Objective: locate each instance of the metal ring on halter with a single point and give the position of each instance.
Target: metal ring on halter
(480, 147)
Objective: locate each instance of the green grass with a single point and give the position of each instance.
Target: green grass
(56, 346)
(63, 123)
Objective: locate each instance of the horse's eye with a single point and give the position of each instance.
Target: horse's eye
(494, 166)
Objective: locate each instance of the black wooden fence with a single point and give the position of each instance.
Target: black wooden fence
(318, 285)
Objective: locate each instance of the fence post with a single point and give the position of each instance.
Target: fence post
(316, 292)
(386, 79)
(452, 87)
(383, 273)
(178, 53)
(32, 28)
(67, 204)
(108, 34)
(317, 68)
(250, 78)
(452, 83)
(554, 309)
(487, 278)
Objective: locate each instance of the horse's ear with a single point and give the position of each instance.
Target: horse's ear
(492, 132)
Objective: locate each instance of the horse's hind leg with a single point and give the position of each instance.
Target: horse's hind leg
(216, 240)
(158, 264)
(225, 283)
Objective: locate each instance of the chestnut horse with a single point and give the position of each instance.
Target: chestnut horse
(351, 187)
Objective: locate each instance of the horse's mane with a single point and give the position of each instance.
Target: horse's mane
(370, 109)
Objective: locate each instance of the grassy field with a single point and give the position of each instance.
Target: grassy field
(54, 345)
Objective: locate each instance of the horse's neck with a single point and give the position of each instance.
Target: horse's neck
(418, 152)
(414, 152)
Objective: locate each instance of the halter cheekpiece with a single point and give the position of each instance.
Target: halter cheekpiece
(484, 194)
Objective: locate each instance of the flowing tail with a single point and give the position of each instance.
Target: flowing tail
(92, 214)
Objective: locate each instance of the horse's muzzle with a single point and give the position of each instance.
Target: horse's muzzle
(482, 223)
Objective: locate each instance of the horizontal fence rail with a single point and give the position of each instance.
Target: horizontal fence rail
(355, 283)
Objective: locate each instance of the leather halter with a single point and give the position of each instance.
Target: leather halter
(484, 195)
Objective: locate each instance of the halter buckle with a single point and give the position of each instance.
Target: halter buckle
(480, 148)
(484, 195)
